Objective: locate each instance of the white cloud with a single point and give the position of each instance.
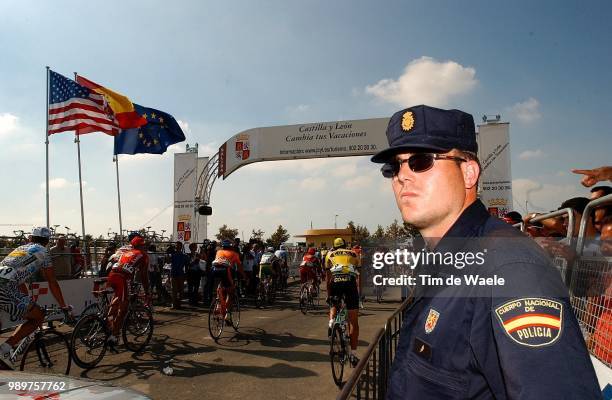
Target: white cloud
(527, 111)
(62, 183)
(530, 154)
(313, 184)
(542, 197)
(269, 210)
(8, 124)
(300, 108)
(184, 126)
(359, 182)
(57, 183)
(149, 212)
(344, 170)
(426, 81)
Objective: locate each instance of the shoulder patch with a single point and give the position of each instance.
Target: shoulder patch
(431, 321)
(531, 321)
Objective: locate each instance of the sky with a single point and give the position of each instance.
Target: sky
(223, 67)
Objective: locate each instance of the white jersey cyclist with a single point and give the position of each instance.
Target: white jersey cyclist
(15, 269)
(23, 262)
(282, 253)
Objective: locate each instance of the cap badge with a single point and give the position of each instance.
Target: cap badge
(407, 121)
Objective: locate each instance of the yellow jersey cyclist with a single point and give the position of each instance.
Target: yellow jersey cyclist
(342, 276)
(15, 270)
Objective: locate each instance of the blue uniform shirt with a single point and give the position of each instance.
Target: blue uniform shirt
(519, 340)
(179, 261)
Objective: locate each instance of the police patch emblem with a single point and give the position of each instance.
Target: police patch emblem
(432, 320)
(531, 321)
(407, 121)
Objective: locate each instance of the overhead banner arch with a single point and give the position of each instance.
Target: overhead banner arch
(359, 137)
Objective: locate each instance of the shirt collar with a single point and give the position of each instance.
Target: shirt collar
(468, 225)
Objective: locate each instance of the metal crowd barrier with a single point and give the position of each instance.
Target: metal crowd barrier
(559, 213)
(591, 290)
(559, 262)
(371, 375)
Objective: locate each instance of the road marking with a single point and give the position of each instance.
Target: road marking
(264, 317)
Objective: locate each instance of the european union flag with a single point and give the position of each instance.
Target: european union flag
(160, 131)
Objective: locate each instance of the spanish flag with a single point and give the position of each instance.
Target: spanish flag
(121, 106)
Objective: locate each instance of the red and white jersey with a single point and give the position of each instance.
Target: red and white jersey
(309, 260)
(130, 260)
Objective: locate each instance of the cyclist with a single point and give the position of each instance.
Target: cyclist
(269, 265)
(15, 269)
(132, 259)
(226, 259)
(114, 258)
(342, 271)
(283, 255)
(309, 267)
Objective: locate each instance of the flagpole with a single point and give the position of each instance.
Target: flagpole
(77, 140)
(47, 150)
(116, 160)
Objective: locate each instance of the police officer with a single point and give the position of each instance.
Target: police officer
(496, 324)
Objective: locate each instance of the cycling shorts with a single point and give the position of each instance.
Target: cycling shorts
(307, 274)
(12, 302)
(222, 275)
(265, 270)
(345, 285)
(120, 284)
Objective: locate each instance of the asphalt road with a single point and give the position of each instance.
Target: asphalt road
(278, 353)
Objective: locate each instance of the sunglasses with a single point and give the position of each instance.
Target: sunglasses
(419, 162)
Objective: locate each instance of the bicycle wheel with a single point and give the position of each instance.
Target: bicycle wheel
(89, 341)
(47, 353)
(93, 308)
(216, 320)
(310, 304)
(337, 353)
(272, 293)
(235, 313)
(303, 300)
(137, 327)
(259, 296)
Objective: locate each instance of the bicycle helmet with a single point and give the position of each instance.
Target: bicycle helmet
(270, 249)
(137, 241)
(311, 251)
(41, 232)
(339, 242)
(227, 244)
(282, 247)
(132, 235)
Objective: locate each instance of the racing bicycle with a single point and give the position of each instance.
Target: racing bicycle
(89, 340)
(340, 341)
(266, 291)
(217, 314)
(309, 297)
(46, 349)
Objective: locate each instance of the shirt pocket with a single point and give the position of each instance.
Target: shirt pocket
(436, 381)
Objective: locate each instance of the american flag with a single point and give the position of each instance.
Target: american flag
(73, 107)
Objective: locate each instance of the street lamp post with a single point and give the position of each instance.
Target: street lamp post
(335, 221)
